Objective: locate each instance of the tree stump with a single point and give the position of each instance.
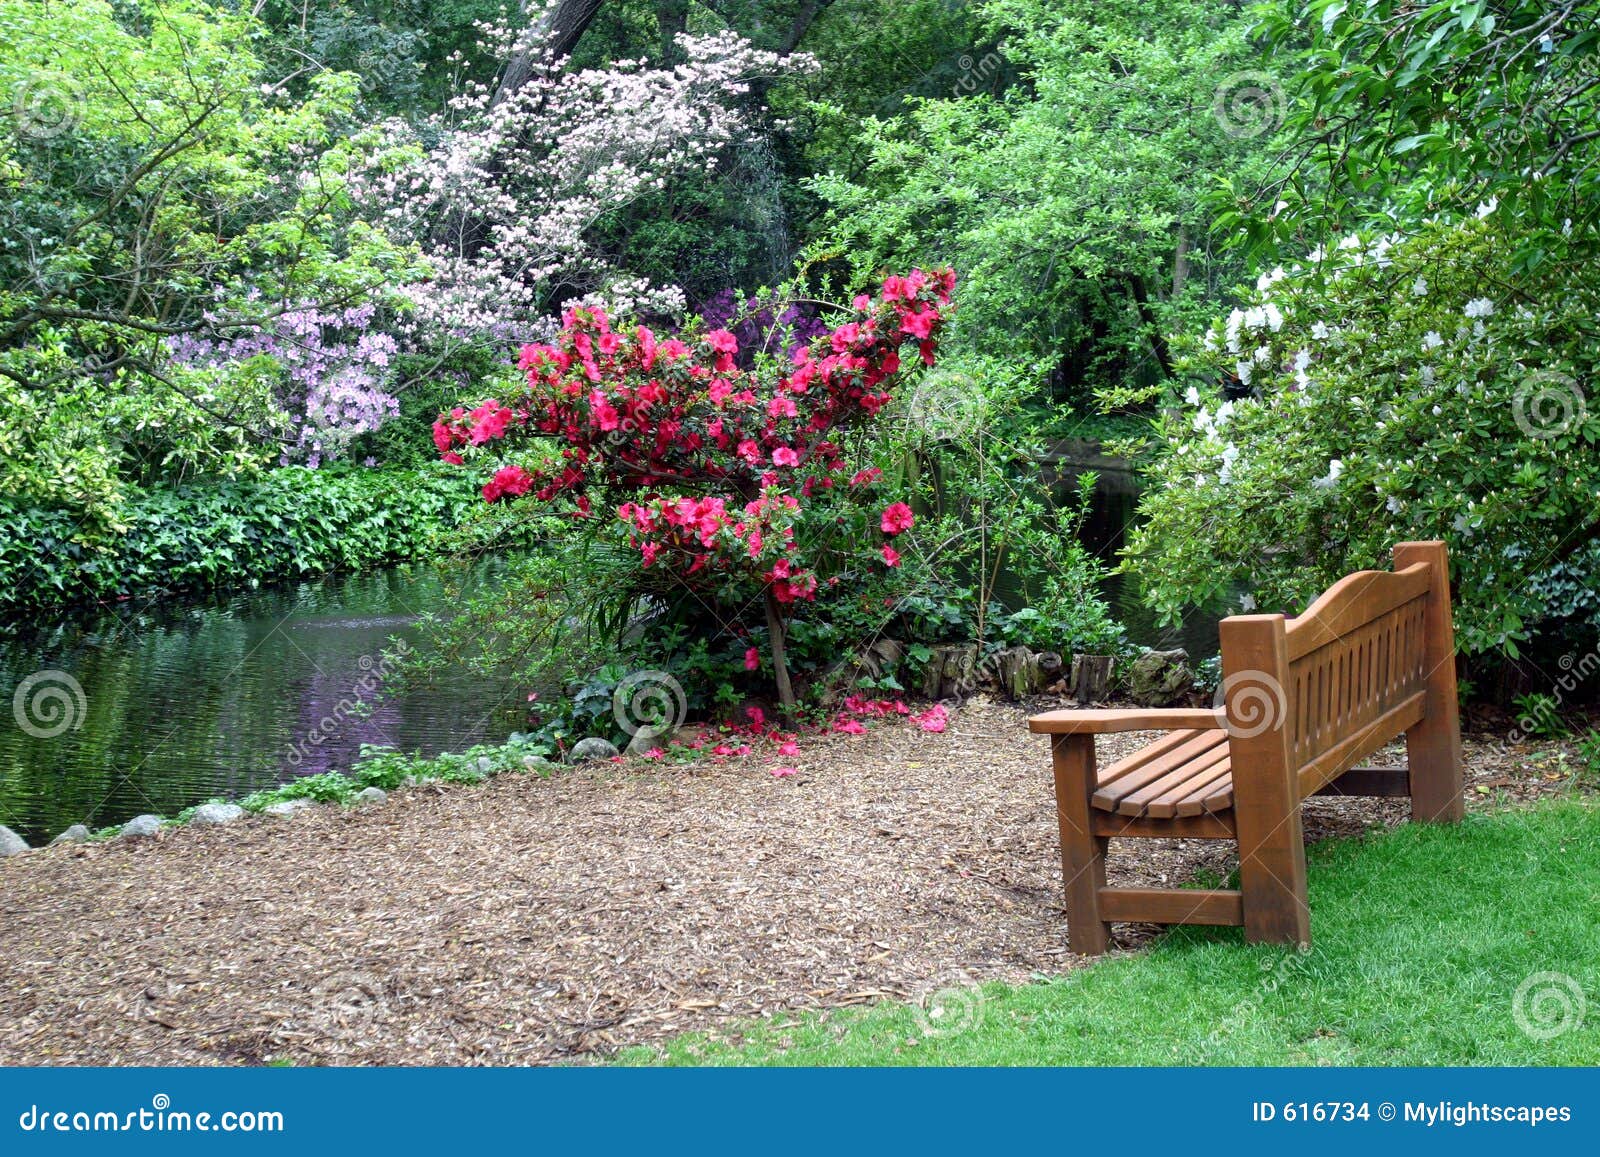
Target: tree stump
(1160, 678)
(950, 671)
(1091, 677)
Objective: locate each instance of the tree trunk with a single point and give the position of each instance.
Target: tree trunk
(1158, 340)
(1091, 677)
(1180, 264)
(564, 26)
(672, 20)
(780, 666)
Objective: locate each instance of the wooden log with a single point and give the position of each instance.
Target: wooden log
(1091, 677)
(950, 673)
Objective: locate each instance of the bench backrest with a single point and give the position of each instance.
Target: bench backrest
(1308, 697)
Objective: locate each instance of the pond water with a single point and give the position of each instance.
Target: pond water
(155, 710)
(1111, 514)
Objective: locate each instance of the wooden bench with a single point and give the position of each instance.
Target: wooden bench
(1303, 700)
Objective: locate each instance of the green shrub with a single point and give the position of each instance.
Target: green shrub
(1387, 390)
(286, 523)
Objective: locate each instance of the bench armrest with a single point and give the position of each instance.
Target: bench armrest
(1101, 722)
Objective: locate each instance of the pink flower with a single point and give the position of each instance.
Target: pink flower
(507, 481)
(919, 325)
(896, 518)
(722, 749)
(752, 659)
(785, 772)
(789, 747)
(655, 753)
(891, 556)
(783, 456)
(850, 727)
(934, 718)
(757, 717)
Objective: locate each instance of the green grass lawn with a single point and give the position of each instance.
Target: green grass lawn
(1422, 939)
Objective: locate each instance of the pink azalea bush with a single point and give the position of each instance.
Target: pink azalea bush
(730, 484)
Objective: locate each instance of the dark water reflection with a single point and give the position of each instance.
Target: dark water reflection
(1111, 514)
(183, 702)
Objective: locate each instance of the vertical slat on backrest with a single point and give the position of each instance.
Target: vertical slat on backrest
(1355, 654)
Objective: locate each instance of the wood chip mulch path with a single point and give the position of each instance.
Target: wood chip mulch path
(530, 921)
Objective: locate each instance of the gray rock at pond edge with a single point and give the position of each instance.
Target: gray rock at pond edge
(145, 825)
(76, 834)
(485, 764)
(11, 843)
(372, 795)
(1159, 678)
(288, 807)
(592, 748)
(217, 813)
(537, 763)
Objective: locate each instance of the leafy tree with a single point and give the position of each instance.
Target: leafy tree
(1401, 112)
(1075, 202)
(155, 188)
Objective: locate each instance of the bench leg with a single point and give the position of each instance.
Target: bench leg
(1266, 792)
(1083, 854)
(1272, 875)
(1433, 746)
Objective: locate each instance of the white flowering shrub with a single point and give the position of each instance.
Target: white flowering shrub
(1390, 389)
(503, 192)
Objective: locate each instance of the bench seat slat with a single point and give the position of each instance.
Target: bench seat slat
(1159, 797)
(1151, 763)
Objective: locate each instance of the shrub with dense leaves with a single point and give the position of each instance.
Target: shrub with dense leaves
(1386, 390)
(289, 523)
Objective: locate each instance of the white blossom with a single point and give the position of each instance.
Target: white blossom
(1328, 480)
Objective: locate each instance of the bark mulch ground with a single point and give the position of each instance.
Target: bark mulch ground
(531, 921)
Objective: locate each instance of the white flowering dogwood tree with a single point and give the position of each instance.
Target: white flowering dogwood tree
(504, 199)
